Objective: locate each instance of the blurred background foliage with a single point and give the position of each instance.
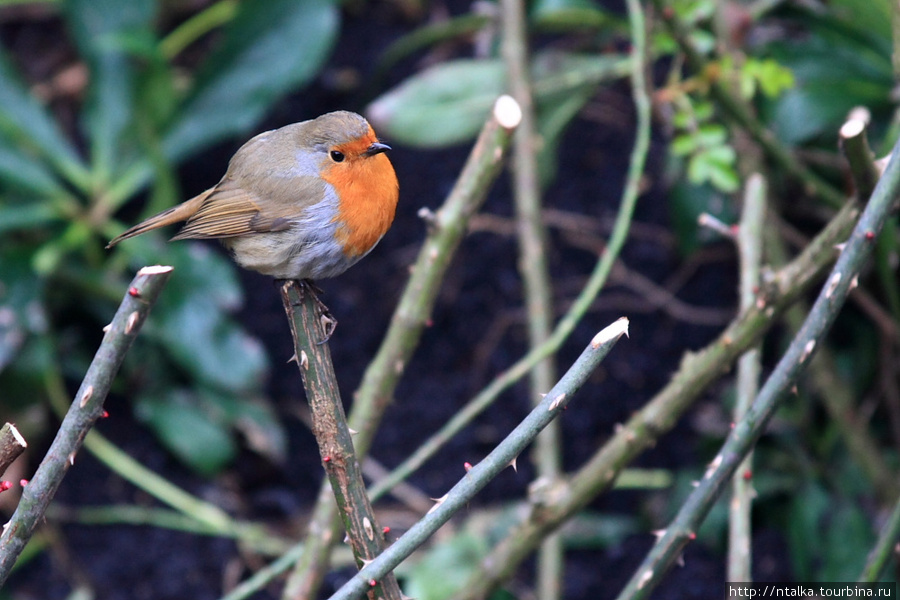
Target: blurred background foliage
(60, 188)
(73, 173)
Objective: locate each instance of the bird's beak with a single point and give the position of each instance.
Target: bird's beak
(376, 148)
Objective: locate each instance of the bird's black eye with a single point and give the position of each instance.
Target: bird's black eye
(337, 156)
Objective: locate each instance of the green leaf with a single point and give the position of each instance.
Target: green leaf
(836, 67)
(25, 126)
(270, 49)
(211, 346)
(552, 120)
(721, 155)
(189, 431)
(191, 319)
(869, 16)
(444, 105)
(448, 103)
(683, 144)
(22, 311)
(200, 271)
(26, 215)
(847, 541)
(259, 425)
(566, 14)
(808, 508)
(694, 11)
(710, 135)
(714, 165)
(445, 568)
(105, 30)
(22, 170)
(698, 169)
(723, 177)
(686, 204)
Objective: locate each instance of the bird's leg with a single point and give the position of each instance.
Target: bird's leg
(306, 286)
(329, 323)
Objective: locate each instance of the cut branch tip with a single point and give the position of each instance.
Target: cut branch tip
(611, 332)
(507, 112)
(155, 270)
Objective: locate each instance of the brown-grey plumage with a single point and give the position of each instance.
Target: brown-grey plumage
(304, 201)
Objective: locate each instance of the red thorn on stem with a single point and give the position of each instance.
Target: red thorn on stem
(5, 485)
(326, 459)
(870, 235)
(748, 474)
(385, 530)
(23, 482)
(372, 583)
(134, 292)
(692, 536)
(467, 466)
(104, 414)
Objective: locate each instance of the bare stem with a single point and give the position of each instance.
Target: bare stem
(749, 241)
(538, 292)
(641, 431)
(500, 458)
(309, 330)
(86, 408)
(842, 279)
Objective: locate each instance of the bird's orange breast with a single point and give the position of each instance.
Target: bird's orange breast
(368, 191)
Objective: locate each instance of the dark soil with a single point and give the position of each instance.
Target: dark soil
(465, 347)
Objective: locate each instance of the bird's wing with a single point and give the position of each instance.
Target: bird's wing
(230, 211)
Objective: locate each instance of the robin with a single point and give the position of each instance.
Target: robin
(303, 202)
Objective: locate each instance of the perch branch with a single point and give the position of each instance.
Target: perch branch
(310, 332)
(86, 408)
(446, 229)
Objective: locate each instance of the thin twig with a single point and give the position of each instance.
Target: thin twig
(836, 394)
(698, 370)
(884, 548)
(86, 408)
(250, 535)
(205, 513)
(749, 242)
(535, 272)
(313, 356)
(855, 146)
(831, 298)
(447, 227)
(499, 459)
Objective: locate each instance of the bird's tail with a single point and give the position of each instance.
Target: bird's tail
(176, 214)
